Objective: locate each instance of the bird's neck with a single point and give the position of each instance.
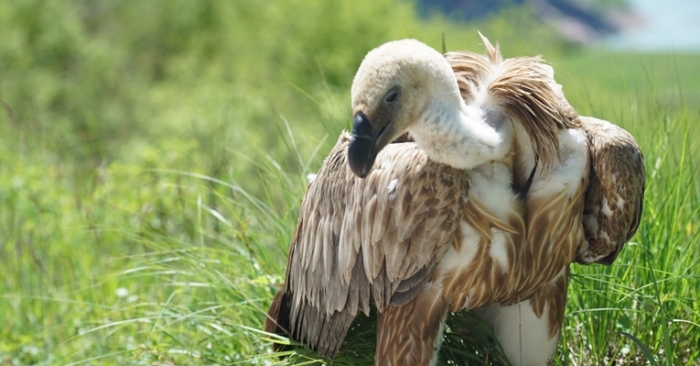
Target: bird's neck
(463, 136)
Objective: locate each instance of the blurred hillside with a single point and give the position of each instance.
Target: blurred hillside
(579, 21)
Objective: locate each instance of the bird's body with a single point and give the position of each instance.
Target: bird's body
(482, 208)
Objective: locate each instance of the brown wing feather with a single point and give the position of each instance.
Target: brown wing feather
(524, 88)
(409, 334)
(365, 241)
(615, 191)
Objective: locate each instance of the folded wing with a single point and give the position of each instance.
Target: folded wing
(615, 194)
(365, 241)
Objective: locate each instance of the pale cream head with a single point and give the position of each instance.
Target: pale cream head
(417, 72)
(395, 85)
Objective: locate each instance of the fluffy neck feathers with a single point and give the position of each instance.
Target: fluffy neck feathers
(460, 135)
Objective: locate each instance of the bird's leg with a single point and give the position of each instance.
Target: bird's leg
(411, 334)
(529, 330)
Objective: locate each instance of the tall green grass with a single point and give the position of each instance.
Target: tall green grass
(644, 308)
(206, 256)
(150, 179)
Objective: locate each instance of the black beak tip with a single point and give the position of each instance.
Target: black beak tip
(360, 157)
(361, 152)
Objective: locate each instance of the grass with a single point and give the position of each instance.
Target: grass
(644, 307)
(145, 216)
(149, 265)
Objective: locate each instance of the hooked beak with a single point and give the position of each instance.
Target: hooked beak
(365, 144)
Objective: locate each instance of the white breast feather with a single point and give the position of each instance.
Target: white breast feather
(567, 173)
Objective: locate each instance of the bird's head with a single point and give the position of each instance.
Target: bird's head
(394, 85)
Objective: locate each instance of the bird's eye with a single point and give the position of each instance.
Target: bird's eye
(392, 97)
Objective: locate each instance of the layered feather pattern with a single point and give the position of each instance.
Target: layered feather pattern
(417, 237)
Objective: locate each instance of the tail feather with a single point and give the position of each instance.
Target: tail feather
(277, 320)
(324, 333)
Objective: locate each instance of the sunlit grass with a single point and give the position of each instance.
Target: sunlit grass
(207, 256)
(147, 221)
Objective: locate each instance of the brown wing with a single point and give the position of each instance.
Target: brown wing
(615, 191)
(365, 241)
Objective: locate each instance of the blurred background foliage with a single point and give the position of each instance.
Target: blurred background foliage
(133, 131)
(106, 75)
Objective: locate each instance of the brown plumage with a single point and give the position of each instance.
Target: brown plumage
(365, 241)
(522, 89)
(615, 194)
(437, 222)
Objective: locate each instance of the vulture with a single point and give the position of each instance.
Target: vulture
(468, 183)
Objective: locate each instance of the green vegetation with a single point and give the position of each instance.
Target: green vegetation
(153, 156)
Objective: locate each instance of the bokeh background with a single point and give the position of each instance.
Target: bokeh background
(153, 155)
